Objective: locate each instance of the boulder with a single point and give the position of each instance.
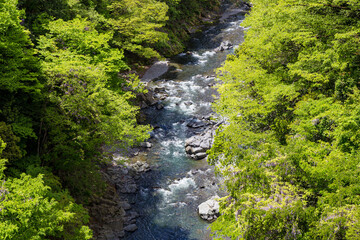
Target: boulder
(146, 99)
(146, 145)
(160, 106)
(209, 210)
(125, 205)
(131, 228)
(196, 146)
(155, 71)
(226, 45)
(141, 166)
(196, 123)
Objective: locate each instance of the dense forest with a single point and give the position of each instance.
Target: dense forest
(290, 152)
(66, 91)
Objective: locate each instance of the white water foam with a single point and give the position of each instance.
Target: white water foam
(177, 186)
(203, 58)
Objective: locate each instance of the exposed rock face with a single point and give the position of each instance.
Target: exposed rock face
(111, 214)
(196, 123)
(124, 182)
(146, 99)
(107, 216)
(209, 210)
(196, 146)
(152, 97)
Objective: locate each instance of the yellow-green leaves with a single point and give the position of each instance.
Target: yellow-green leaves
(137, 25)
(291, 96)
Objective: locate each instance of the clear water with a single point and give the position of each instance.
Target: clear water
(170, 193)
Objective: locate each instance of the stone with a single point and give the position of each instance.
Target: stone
(196, 146)
(159, 90)
(189, 149)
(130, 218)
(205, 144)
(160, 106)
(122, 234)
(209, 210)
(155, 71)
(226, 45)
(131, 228)
(125, 205)
(195, 123)
(198, 150)
(146, 99)
(146, 145)
(141, 166)
(201, 155)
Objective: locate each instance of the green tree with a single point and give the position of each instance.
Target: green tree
(290, 153)
(83, 112)
(29, 210)
(137, 25)
(20, 82)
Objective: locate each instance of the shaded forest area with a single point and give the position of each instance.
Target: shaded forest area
(65, 92)
(290, 152)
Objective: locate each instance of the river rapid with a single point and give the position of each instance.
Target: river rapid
(170, 193)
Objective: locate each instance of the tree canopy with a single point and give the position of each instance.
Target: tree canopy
(66, 95)
(290, 151)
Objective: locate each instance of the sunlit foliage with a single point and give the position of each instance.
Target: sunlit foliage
(290, 154)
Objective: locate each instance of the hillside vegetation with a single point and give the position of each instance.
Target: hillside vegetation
(291, 151)
(62, 100)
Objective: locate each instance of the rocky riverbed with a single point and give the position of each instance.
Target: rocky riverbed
(164, 189)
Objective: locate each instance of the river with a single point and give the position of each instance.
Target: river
(170, 194)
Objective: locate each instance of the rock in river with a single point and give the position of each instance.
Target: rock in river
(196, 146)
(131, 228)
(146, 145)
(209, 210)
(226, 45)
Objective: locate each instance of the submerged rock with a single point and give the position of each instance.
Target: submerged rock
(131, 228)
(160, 106)
(209, 210)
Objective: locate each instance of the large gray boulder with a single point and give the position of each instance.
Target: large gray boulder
(209, 210)
(226, 45)
(155, 71)
(196, 146)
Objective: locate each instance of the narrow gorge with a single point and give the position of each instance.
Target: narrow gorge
(165, 179)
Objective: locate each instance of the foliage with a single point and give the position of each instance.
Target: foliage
(20, 82)
(136, 24)
(83, 112)
(290, 153)
(183, 14)
(65, 96)
(29, 210)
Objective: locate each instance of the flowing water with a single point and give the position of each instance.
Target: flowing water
(170, 193)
